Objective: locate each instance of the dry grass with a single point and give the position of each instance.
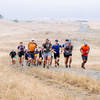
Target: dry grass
(39, 84)
(80, 81)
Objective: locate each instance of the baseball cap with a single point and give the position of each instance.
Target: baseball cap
(56, 40)
(66, 40)
(85, 43)
(33, 39)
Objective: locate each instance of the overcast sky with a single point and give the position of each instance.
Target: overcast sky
(29, 9)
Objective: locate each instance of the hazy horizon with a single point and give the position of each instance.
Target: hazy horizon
(30, 9)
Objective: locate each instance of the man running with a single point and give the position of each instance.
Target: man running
(56, 50)
(70, 57)
(68, 47)
(27, 57)
(46, 53)
(84, 51)
(13, 56)
(21, 52)
(31, 47)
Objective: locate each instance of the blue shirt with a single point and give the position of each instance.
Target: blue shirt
(64, 46)
(56, 48)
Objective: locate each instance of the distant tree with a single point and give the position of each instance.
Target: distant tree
(1, 16)
(15, 20)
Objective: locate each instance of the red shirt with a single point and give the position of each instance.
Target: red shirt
(85, 50)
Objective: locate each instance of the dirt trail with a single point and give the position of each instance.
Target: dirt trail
(88, 72)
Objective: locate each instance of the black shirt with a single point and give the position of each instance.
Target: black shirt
(12, 54)
(69, 49)
(47, 46)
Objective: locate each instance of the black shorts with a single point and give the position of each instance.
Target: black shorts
(56, 55)
(13, 57)
(67, 56)
(26, 58)
(40, 56)
(32, 55)
(21, 53)
(85, 58)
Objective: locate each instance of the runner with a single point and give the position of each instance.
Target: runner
(84, 51)
(13, 56)
(64, 45)
(52, 55)
(21, 52)
(31, 47)
(68, 53)
(47, 53)
(40, 55)
(27, 58)
(56, 50)
(36, 58)
(70, 57)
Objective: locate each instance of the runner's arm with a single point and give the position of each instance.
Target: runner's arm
(43, 48)
(88, 50)
(66, 50)
(71, 49)
(81, 50)
(53, 49)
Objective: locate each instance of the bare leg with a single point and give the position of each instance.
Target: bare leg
(83, 64)
(49, 61)
(55, 62)
(70, 61)
(66, 62)
(58, 61)
(29, 61)
(32, 61)
(45, 62)
(35, 60)
(38, 60)
(20, 60)
(13, 61)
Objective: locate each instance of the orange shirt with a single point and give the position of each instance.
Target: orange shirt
(32, 46)
(85, 49)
